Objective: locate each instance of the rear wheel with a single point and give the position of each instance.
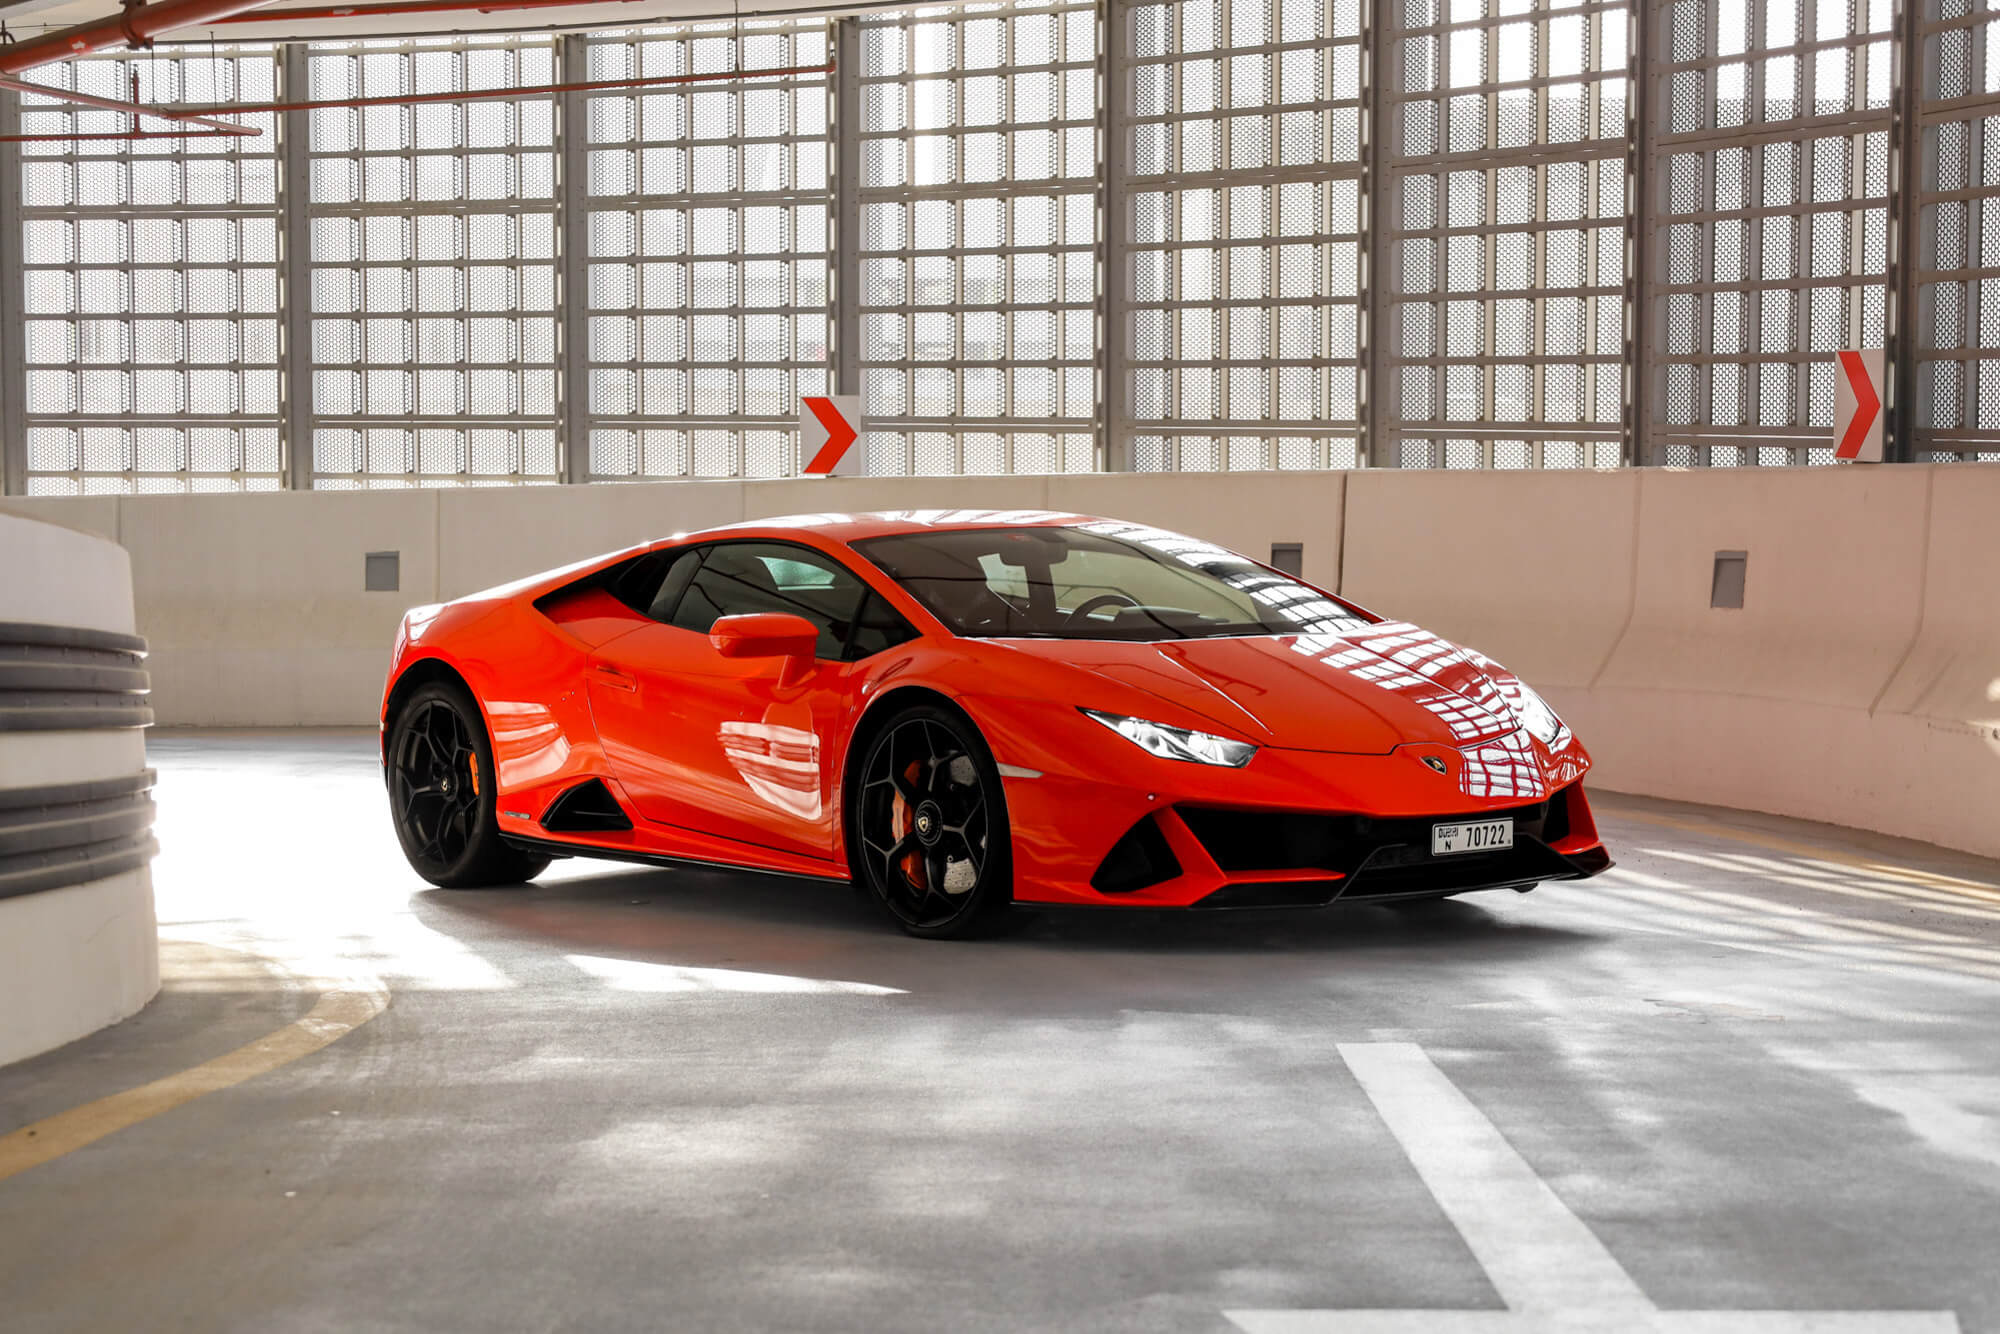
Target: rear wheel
(931, 826)
(441, 794)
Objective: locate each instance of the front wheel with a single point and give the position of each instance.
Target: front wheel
(931, 826)
(441, 794)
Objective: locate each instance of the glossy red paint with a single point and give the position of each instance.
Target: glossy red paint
(733, 748)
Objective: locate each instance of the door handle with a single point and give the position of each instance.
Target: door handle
(611, 676)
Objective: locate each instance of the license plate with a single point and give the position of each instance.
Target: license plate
(1473, 836)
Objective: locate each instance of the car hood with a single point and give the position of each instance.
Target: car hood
(1365, 691)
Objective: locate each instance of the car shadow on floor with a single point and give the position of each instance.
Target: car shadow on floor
(695, 918)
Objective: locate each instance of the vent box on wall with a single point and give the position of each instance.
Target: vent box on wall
(1725, 586)
(382, 572)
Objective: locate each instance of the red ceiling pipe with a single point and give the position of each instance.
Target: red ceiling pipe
(488, 94)
(119, 135)
(212, 127)
(412, 7)
(182, 116)
(136, 25)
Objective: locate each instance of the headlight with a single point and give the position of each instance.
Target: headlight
(1177, 743)
(1540, 720)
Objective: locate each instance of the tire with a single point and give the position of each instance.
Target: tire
(441, 794)
(930, 834)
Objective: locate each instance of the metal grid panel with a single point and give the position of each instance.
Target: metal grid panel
(977, 238)
(151, 285)
(1197, 206)
(1505, 203)
(1957, 247)
(706, 245)
(1773, 217)
(1241, 226)
(433, 267)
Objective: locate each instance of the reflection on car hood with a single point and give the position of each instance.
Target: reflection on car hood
(1363, 691)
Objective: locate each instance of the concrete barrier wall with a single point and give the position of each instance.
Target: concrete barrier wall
(255, 608)
(1859, 683)
(79, 944)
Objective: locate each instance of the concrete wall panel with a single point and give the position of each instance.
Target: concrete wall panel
(1532, 569)
(255, 605)
(496, 535)
(1836, 556)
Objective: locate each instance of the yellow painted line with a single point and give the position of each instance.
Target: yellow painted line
(343, 1007)
(1972, 889)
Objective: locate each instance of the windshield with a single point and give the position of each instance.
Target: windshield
(1104, 580)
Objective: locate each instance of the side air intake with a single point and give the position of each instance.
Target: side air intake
(587, 808)
(1139, 859)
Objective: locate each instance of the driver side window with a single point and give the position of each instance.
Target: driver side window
(739, 578)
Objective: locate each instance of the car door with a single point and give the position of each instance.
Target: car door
(736, 747)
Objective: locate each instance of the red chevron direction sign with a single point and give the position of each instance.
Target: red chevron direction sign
(827, 428)
(1857, 406)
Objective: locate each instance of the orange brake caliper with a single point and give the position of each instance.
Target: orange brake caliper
(901, 820)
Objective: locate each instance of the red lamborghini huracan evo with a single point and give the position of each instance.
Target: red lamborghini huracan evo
(968, 710)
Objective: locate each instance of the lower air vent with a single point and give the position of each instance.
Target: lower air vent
(1139, 859)
(587, 808)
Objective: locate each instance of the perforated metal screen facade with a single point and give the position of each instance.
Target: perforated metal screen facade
(705, 237)
(1153, 234)
(1504, 200)
(1957, 262)
(1241, 212)
(1775, 143)
(150, 288)
(433, 248)
(978, 239)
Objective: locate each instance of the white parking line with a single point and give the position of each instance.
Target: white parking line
(1555, 1276)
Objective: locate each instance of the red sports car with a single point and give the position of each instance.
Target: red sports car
(967, 710)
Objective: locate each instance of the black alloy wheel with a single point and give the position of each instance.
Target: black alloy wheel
(441, 795)
(932, 828)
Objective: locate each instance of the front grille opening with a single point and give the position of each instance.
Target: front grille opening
(1269, 840)
(587, 808)
(1139, 859)
(1379, 857)
(1250, 841)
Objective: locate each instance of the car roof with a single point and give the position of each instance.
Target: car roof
(845, 527)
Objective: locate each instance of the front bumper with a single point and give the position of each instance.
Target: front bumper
(1098, 827)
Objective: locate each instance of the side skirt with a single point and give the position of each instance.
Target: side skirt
(554, 848)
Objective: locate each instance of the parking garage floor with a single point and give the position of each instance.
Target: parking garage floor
(1750, 1080)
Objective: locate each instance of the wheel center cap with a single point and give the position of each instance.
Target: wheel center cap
(929, 823)
(445, 787)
